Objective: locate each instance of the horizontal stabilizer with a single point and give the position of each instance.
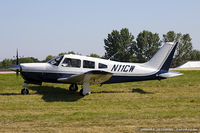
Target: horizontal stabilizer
(170, 74)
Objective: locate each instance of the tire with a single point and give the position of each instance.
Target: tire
(73, 87)
(81, 92)
(24, 91)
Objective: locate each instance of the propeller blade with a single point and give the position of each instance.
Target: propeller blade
(17, 58)
(17, 63)
(17, 74)
(16, 67)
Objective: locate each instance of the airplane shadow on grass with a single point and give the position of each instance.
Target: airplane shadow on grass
(138, 90)
(9, 94)
(134, 90)
(56, 94)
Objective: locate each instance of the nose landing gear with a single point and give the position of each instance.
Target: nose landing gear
(25, 91)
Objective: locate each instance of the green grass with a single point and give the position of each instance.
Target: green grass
(170, 103)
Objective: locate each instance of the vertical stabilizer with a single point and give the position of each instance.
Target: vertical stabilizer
(163, 58)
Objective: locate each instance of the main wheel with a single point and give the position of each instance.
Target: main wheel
(81, 92)
(73, 87)
(24, 91)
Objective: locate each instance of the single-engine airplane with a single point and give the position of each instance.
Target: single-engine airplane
(82, 70)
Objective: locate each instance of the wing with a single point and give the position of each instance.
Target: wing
(92, 77)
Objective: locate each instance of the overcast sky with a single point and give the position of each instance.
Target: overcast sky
(47, 27)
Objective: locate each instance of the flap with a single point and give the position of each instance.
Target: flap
(93, 77)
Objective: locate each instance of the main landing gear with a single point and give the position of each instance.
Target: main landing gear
(73, 87)
(25, 91)
(83, 92)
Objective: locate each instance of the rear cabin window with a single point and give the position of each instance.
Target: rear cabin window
(88, 64)
(69, 62)
(102, 66)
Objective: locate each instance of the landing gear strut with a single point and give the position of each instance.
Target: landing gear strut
(73, 87)
(25, 91)
(85, 90)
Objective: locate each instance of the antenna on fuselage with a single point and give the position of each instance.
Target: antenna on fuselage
(113, 55)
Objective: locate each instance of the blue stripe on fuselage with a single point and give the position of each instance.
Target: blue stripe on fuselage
(43, 77)
(121, 79)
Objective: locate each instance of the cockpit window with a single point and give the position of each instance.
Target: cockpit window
(102, 66)
(69, 62)
(88, 64)
(56, 61)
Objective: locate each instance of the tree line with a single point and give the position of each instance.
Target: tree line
(6, 63)
(123, 46)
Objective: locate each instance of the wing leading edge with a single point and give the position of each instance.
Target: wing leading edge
(91, 77)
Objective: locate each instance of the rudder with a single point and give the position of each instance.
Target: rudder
(163, 58)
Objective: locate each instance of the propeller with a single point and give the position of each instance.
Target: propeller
(16, 67)
(17, 63)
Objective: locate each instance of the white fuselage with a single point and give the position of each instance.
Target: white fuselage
(117, 68)
(66, 66)
(48, 72)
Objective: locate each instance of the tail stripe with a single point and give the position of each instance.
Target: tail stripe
(168, 61)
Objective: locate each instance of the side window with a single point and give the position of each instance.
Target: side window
(69, 62)
(102, 65)
(88, 64)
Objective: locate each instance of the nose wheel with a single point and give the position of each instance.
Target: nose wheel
(25, 91)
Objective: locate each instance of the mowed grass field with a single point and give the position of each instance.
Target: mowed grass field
(125, 107)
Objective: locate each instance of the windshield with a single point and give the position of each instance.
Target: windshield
(56, 61)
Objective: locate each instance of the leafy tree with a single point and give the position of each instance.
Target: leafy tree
(119, 45)
(94, 55)
(195, 55)
(63, 53)
(147, 45)
(28, 60)
(70, 52)
(184, 49)
(6, 63)
(171, 36)
(49, 57)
